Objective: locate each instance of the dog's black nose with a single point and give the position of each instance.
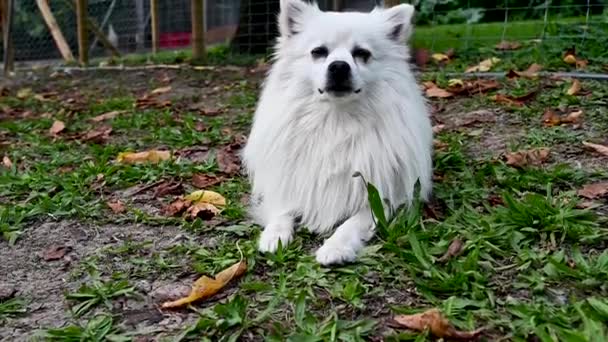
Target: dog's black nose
(339, 69)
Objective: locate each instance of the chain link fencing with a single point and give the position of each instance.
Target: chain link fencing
(248, 26)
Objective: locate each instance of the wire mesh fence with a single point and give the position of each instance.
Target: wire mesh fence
(248, 26)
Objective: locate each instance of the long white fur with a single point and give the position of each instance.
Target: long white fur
(304, 146)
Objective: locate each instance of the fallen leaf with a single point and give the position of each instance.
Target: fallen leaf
(506, 45)
(483, 66)
(436, 323)
(439, 145)
(454, 249)
(550, 118)
(55, 252)
(436, 92)
(470, 87)
(206, 196)
(107, 116)
(167, 188)
(160, 90)
(6, 162)
(228, 159)
(573, 117)
(98, 135)
(602, 149)
(476, 117)
(117, 206)
(176, 207)
(517, 101)
(203, 181)
(24, 93)
(151, 156)
(440, 57)
(57, 127)
(438, 128)
(206, 287)
(571, 58)
(575, 88)
(531, 72)
(593, 191)
(527, 157)
(202, 210)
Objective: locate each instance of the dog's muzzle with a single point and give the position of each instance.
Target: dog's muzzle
(339, 80)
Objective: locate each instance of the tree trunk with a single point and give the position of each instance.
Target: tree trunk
(257, 28)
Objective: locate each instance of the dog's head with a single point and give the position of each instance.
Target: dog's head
(342, 54)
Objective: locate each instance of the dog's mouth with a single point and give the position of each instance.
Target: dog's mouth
(339, 91)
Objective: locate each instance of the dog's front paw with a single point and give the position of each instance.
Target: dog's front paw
(331, 254)
(271, 235)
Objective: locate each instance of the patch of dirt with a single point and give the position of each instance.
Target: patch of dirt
(44, 283)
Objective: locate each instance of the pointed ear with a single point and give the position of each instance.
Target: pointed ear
(399, 19)
(292, 16)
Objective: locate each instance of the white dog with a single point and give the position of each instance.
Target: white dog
(340, 98)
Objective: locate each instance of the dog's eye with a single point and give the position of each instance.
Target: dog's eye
(319, 52)
(362, 53)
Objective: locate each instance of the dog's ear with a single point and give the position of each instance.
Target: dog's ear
(292, 16)
(399, 19)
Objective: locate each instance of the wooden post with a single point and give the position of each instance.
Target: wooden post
(7, 37)
(198, 32)
(81, 20)
(102, 37)
(58, 37)
(154, 23)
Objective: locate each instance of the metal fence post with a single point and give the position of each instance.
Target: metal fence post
(198, 32)
(81, 19)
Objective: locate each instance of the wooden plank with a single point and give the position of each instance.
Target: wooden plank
(198, 32)
(58, 37)
(81, 21)
(154, 24)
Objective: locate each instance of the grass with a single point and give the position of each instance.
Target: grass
(533, 264)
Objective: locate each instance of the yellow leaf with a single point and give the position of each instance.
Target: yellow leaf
(206, 287)
(455, 82)
(206, 196)
(151, 156)
(574, 88)
(440, 57)
(24, 93)
(484, 65)
(570, 59)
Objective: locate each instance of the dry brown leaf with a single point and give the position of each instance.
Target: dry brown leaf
(593, 191)
(454, 249)
(6, 162)
(98, 135)
(151, 156)
(55, 252)
(107, 116)
(531, 72)
(57, 127)
(166, 188)
(550, 118)
(176, 207)
(228, 160)
(575, 88)
(573, 117)
(433, 90)
(202, 210)
(506, 45)
(485, 65)
(160, 90)
(433, 321)
(438, 128)
(117, 206)
(439, 145)
(527, 157)
(475, 117)
(206, 287)
(478, 86)
(517, 101)
(601, 149)
(203, 181)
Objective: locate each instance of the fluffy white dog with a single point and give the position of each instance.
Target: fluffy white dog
(340, 98)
